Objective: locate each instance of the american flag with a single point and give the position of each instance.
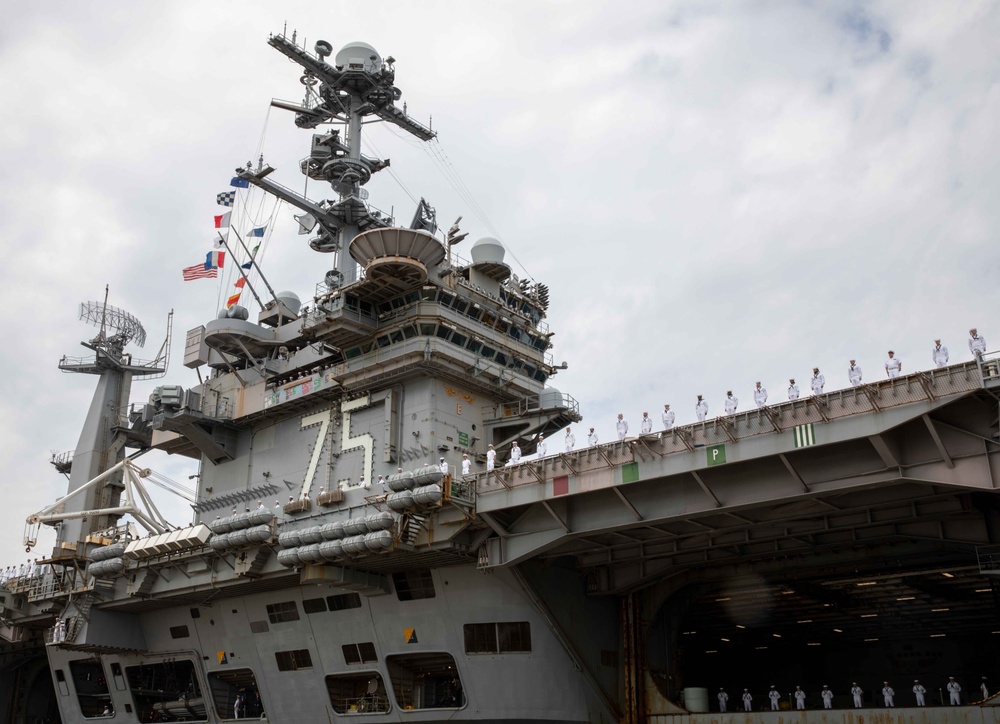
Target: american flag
(198, 271)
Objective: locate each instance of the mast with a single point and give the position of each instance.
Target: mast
(358, 85)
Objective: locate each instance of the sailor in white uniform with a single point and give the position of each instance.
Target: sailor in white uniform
(646, 424)
(827, 697)
(817, 382)
(622, 427)
(668, 417)
(887, 694)
(747, 700)
(491, 458)
(857, 692)
(466, 465)
(977, 344)
(893, 366)
(701, 409)
(570, 440)
(515, 453)
(592, 438)
(854, 374)
(984, 690)
(759, 395)
(793, 390)
(723, 698)
(444, 466)
(919, 691)
(731, 402)
(954, 691)
(800, 698)
(774, 695)
(542, 449)
(939, 354)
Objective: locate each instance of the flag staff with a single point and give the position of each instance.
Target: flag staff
(242, 273)
(253, 261)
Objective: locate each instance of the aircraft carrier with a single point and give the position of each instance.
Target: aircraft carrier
(334, 568)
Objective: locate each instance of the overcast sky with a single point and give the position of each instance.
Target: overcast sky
(715, 193)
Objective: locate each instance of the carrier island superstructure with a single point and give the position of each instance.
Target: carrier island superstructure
(333, 570)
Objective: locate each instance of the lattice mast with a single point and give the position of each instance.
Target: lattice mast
(358, 85)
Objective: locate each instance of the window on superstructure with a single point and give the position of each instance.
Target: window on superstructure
(445, 298)
(282, 612)
(505, 637)
(443, 332)
(413, 584)
(474, 346)
(361, 692)
(409, 331)
(428, 295)
(363, 653)
(179, 632)
(343, 601)
(314, 605)
(396, 336)
(293, 660)
(460, 305)
(91, 686)
(427, 330)
(458, 339)
(383, 341)
(352, 353)
(487, 352)
(425, 681)
(501, 359)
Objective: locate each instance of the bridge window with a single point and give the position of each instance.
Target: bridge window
(293, 660)
(361, 692)
(363, 653)
(498, 638)
(443, 332)
(91, 687)
(474, 346)
(235, 694)
(282, 612)
(409, 331)
(396, 336)
(343, 601)
(413, 584)
(425, 681)
(427, 330)
(458, 339)
(166, 691)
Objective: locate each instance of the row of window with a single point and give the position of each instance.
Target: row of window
(443, 331)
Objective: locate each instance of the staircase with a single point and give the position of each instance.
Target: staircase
(413, 524)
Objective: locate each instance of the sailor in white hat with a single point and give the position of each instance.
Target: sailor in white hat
(541, 448)
(723, 698)
(939, 353)
(827, 697)
(977, 344)
(774, 695)
(731, 402)
(515, 453)
(646, 424)
(854, 374)
(668, 417)
(491, 458)
(443, 464)
(817, 382)
(857, 692)
(759, 395)
(954, 691)
(919, 691)
(622, 427)
(793, 389)
(466, 464)
(701, 408)
(887, 694)
(800, 698)
(747, 700)
(592, 438)
(569, 440)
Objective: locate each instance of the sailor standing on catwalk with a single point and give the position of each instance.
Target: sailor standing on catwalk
(592, 438)
(466, 466)
(701, 409)
(646, 424)
(515, 453)
(827, 696)
(491, 458)
(747, 700)
(817, 382)
(541, 448)
(774, 695)
(668, 417)
(731, 402)
(759, 395)
(723, 698)
(622, 427)
(977, 344)
(793, 390)
(800, 698)
(939, 354)
(854, 374)
(919, 691)
(893, 366)
(570, 440)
